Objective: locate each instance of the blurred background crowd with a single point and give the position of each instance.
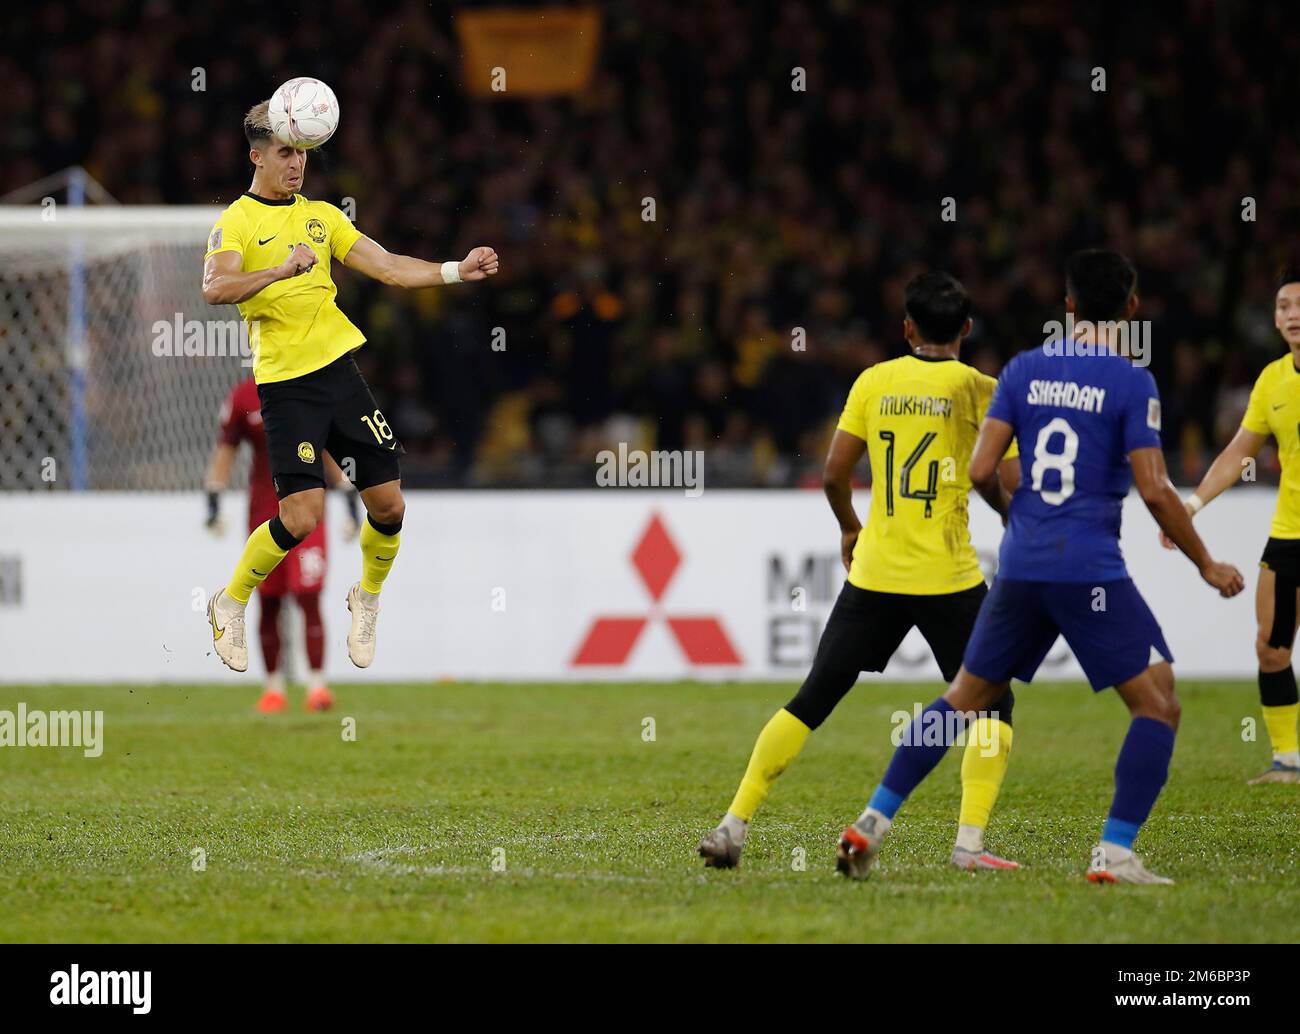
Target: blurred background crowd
(786, 221)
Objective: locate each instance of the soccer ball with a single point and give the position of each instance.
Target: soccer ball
(304, 113)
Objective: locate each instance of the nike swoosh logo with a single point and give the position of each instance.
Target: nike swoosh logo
(1279, 405)
(217, 633)
(260, 574)
(392, 447)
(268, 240)
(386, 559)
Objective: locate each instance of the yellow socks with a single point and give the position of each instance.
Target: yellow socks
(983, 767)
(778, 744)
(1281, 725)
(379, 544)
(265, 548)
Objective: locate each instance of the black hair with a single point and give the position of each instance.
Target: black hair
(1288, 274)
(938, 305)
(1101, 282)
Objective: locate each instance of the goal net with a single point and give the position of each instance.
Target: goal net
(112, 366)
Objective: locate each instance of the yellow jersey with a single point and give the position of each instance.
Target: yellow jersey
(295, 326)
(919, 418)
(1274, 409)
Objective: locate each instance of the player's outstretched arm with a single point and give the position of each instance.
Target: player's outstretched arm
(1162, 500)
(1227, 467)
(1224, 472)
(225, 284)
(837, 481)
(987, 465)
(365, 256)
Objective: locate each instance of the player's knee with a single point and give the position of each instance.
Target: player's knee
(300, 524)
(300, 517)
(971, 693)
(1271, 658)
(389, 511)
(1175, 709)
(1161, 702)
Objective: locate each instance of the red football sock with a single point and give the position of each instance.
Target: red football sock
(268, 630)
(309, 604)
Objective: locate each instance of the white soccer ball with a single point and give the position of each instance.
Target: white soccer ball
(304, 113)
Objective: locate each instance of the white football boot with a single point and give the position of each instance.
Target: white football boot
(361, 637)
(1127, 870)
(1279, 773)
(227, 620)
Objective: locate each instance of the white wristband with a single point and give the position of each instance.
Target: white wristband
(451, 272)
(1195, 503)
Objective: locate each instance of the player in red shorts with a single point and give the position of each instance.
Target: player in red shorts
(302, 573)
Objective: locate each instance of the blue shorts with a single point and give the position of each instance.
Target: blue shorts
(1108, 625)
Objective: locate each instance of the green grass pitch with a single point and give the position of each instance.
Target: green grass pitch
(394, 836)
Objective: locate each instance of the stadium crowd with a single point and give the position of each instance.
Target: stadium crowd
(786, 220)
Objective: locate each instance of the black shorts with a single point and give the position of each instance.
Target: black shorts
(865, 629)
(1282, 557)
(328, 409)
(868, 627)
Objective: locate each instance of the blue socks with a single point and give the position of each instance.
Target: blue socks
(1140, 770)
(1140, 774)
(924, 744)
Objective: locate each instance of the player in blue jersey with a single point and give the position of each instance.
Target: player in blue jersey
(1087, 422)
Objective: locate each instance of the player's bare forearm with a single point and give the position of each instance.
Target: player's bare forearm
(840, 496)
(837, 482)
(413, 273)
(1168, 510)
(987, 464)
(235, 287)
(368, 257)
(1161, 498)
(837, 478)
(991, 490)
(1226, 470)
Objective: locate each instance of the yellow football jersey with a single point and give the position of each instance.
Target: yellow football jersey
(295, 325)
(919, 418)
(1274, 409)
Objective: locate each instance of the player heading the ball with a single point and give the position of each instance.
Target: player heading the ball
(270, 254)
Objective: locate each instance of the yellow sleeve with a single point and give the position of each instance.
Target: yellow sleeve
(228, 234)
(1256, 417)
(854, 418)
(342, 233)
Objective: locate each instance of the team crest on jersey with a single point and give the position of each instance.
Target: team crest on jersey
(306, 453)
(316, 230)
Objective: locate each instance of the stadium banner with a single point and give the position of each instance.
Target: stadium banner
(509, 53)
(602, 584)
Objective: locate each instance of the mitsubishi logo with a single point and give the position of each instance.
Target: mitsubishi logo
(610, 640)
